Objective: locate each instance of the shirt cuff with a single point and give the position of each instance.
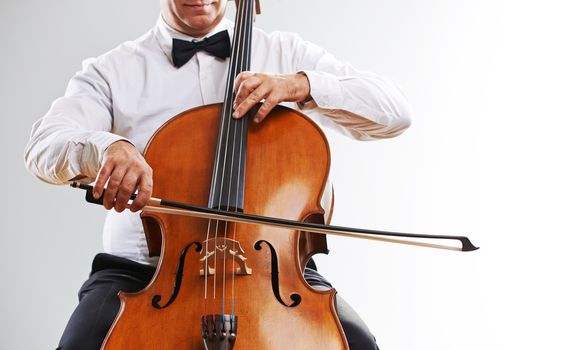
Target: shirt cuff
(324, 87)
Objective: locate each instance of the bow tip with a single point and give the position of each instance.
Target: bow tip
(467, 245)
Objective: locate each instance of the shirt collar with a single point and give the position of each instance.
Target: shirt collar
(165, 33)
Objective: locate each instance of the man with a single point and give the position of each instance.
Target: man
(99, 130)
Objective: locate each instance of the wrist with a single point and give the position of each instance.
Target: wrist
(123, 143)
(303, 88)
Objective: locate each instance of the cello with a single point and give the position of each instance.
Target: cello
(219, 282)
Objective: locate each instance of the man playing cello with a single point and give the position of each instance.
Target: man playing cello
(98, 131)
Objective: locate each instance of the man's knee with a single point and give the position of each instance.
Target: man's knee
(358, 335)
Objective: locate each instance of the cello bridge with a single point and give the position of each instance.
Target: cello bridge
(218, 246)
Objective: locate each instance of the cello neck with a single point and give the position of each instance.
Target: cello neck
(228, 181)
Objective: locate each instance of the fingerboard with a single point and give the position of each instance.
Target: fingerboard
(228, 181)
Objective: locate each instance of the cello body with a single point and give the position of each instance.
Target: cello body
(252, 272)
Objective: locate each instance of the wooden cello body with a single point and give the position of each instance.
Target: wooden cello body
(258, 273)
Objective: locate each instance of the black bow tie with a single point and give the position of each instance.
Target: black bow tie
(217, 45)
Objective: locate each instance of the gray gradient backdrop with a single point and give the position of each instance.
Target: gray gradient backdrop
(494, 152)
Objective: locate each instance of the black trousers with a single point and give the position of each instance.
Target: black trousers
(99, 304)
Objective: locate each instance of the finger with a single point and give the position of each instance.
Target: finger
(252, 99)
(246, 89)
(241, 77)
(102, 176)
(269, 103)
(125, 191)
(112, 187)
(144, 193)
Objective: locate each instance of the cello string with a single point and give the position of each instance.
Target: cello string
(231, 169)
(230, 145)
(224, 116)
(246, 65)
(246, 62)
(230, 179)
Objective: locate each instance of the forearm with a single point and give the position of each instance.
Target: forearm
(359, 104)
(58, 153)
(362, 105)
(69, 141)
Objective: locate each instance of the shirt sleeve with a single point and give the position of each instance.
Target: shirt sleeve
(358, 104)
(69, 141)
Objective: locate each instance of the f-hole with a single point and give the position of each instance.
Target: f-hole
(178, 279)
(295, 297)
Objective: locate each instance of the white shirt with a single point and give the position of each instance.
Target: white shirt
(129, 92)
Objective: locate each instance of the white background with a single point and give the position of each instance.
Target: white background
(494, 152)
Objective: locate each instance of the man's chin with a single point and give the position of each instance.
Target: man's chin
(200, 24)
